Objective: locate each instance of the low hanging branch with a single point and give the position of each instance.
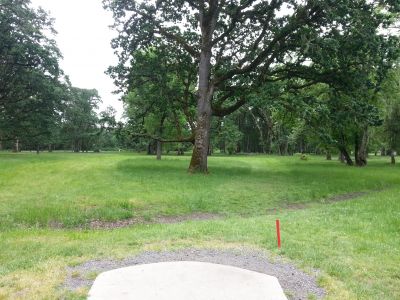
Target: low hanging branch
(189, 139)
(224, 111)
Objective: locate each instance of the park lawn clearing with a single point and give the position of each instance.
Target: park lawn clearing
(354, 243)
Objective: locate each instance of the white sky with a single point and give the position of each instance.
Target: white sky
(84, 40)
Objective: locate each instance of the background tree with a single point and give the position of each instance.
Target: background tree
(30, 91)
(80, 121)
(159, 97)
(390, 103)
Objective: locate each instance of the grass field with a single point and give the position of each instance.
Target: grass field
(355, 243)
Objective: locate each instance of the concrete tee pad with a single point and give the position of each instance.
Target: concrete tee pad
(185, 280)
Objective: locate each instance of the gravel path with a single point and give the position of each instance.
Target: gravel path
(297, 284)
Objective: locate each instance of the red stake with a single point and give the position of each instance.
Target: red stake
(278, 233)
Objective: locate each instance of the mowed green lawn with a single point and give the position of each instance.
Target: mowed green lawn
(355, 243)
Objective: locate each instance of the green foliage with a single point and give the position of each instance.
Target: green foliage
(311, 74)
(304, 157)
(159, 96)
(79, 126)
(392, 127)
(389, 97)
(227, 136)
(30, 91)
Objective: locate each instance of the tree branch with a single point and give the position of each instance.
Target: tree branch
(224, 111)
(189, 139)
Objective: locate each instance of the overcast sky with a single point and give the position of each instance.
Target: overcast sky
(84, 40)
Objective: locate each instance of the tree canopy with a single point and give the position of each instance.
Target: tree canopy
(238, 46)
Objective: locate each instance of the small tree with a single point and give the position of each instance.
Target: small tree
(392, 129)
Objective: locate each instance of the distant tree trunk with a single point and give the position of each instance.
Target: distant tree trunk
(328, 155)
(345, 155)
(341, 157)
(260, 131)
(283, 148)
(149, 148)
(37, 149)
(392, 157)
(361, 144)
(50, 148)
(222, 146)
(383, 151)
(267, 130)
(16, 146)
(159, 149)
(159, 143)
(77, 147)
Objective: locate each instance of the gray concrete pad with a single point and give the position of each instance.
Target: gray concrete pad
(183, 281)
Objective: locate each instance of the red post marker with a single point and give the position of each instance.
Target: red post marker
(278, 233)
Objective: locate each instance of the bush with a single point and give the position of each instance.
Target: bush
(304, 157)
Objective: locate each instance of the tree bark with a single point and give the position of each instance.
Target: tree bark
(159, 149)
(361, 144)
(198, 162)
(328, 155)
(159, 142)
(392, 157)
(346, 156)
(150, 148)
(260, 131)
(383, 151)
(210, 150)
(207, 21)
(16, 146)
(283, 148)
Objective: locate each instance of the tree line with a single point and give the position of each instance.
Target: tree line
(279, 77)
(39, 108)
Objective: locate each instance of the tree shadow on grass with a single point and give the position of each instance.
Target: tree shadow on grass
(180, 168)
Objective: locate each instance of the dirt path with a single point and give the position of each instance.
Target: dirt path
(98, 224)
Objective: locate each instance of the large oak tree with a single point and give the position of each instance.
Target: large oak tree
(236, 45)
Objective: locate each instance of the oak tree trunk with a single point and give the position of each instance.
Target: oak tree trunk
(207, 21)
(198, 162)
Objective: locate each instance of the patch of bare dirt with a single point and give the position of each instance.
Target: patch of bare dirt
(98, 224)
(333, 199)
(349, 196)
